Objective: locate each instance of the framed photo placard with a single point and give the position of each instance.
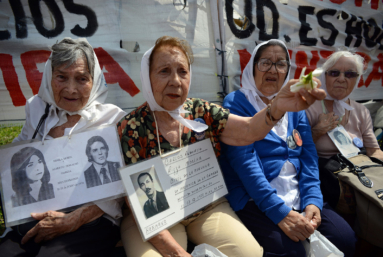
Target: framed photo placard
(60, 174)
(164, 190)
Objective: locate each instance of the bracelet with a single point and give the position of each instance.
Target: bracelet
(273, 120)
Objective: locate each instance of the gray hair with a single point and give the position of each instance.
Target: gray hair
(68, 50)
(359, 60)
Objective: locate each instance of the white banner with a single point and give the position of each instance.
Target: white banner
(312, 30)
(119, 31)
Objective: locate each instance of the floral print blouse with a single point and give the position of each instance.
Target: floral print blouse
(138, 136)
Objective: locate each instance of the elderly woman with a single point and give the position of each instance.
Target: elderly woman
(71, 97)
(272, 181)
(30, 177)
(342, 72)
(167, 121)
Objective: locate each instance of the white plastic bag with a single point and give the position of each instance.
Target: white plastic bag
(320, 246)
(205, 250)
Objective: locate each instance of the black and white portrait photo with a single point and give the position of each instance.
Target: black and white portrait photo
(101, 171)
(149, 192)
(343, 142)
(341, 138)
(30, 177)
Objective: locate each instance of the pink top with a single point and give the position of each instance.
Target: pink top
(358, 124)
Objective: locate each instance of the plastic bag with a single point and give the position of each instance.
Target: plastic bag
(320, 246)
(205, 250)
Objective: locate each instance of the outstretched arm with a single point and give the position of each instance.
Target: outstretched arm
(241, 131)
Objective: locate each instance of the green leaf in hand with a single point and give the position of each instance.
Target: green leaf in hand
(306, 81)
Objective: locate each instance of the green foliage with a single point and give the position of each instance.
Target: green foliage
(7, 134)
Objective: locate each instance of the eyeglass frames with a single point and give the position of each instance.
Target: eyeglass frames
(347, 74)
(265, 65)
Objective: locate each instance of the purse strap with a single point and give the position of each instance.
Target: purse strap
(358, 171)
(42, 119)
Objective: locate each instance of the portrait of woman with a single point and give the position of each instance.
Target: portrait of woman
(30, 177)
(341, 138)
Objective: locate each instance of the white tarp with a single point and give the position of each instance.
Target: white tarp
(312, 29)
(120, 32)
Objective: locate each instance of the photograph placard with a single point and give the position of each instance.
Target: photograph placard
(59, 174)
(164, 190)
(343, 142)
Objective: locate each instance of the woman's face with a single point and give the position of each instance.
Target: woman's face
(72, 85)
(35, 168)
(170, 77)
(271, 81)
(342, 139)
(340, 87)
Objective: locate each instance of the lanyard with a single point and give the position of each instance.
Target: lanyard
(325, 112)
(158, 139)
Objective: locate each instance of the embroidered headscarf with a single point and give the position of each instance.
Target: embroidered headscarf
(154, 106)
(252, 93)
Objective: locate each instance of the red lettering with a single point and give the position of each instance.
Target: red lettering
(11, 80)
(358, 3)
(374, 3)
(29, 60)
(115, 73)
(301, 62)
(244, 58)
(367, 59)
(337, 1)
(375, 74)
(326, 54)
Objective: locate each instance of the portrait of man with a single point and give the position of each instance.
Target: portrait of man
(156, 202)
(341, 138)
(101, 171)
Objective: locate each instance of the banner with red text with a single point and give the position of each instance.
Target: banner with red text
(312, 30)
(120, 32)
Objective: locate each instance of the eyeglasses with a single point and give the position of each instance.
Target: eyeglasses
(265, 65)
(347, 74)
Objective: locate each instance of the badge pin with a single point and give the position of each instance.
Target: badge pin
(291, 143)
(297, 137)
(357, 142)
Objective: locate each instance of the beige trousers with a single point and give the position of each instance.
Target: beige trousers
(217, 225)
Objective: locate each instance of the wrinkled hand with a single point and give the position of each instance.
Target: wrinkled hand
(313, 215)
(296, 227)
(52, 224)
(287, 101)
(326, 122)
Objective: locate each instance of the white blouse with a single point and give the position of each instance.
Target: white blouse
(106, 114)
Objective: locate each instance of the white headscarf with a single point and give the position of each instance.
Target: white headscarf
(249, 88)
(90, 113)
(339, 106)
(149, 97)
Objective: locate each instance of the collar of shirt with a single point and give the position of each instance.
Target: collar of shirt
(98, 169)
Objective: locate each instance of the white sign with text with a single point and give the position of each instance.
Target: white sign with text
(164, 190)
(60, 173)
